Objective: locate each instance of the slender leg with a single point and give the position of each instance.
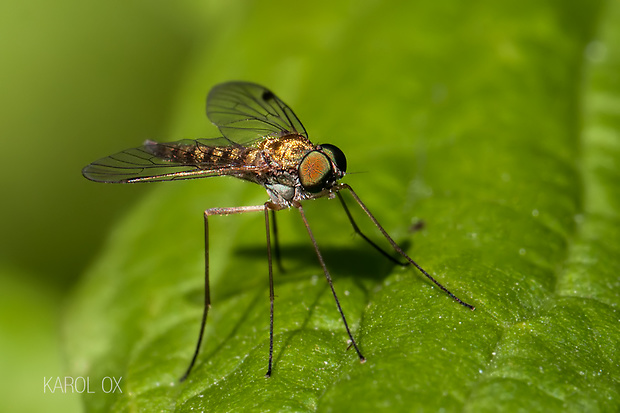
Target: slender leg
(361, 234)
(271, 294)
(398, 249)
(329, 279)
(207, 302)
(276, 242)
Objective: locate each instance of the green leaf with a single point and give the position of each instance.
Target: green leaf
(495, 124)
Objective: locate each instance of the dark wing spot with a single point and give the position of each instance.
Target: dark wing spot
(268, 95)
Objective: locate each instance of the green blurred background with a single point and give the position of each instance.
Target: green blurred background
(81, 80)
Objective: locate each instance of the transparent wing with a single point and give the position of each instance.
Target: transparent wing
(185, 159)
(245, 112)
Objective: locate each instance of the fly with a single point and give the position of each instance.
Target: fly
(263, 142)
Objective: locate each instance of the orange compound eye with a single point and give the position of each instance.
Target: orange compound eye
(314, 171)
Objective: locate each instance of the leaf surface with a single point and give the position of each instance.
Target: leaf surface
(495, 124)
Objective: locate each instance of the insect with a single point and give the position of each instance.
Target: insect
(263, 142)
